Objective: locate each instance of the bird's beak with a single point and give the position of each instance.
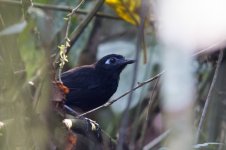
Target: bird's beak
(128, 61)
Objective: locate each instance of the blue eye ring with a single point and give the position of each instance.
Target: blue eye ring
(111, 61)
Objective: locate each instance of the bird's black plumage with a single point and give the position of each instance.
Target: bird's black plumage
(92, 85)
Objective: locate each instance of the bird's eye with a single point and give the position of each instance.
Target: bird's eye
(110, 61)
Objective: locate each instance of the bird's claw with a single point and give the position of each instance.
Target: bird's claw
(95, 127)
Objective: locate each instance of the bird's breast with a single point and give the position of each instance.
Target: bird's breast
(109, 85)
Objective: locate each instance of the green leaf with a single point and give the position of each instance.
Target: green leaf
(31, 56)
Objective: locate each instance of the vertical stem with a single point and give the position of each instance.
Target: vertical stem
(125, 118)
(204, 112)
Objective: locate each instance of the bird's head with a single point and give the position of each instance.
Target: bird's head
(113, 63)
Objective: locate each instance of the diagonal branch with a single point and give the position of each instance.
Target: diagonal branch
(60, 8)
(208, 99)
(157, 140)
(126, 93)
(81, 27)
(140, 31)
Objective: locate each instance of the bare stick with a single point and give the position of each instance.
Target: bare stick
(150, 103)
(78, 30)
(97, 137)
(157, 140)
(67, 40)
(211, 46)
(140, 29)
(126, 93)
(60, 8)
(203, 116)
(70, 110)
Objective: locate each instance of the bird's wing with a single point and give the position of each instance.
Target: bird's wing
(82, 78)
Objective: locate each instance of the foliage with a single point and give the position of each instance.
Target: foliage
(127, 9)
(35, 41)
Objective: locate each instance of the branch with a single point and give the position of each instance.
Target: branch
(60, 8)
(63, 48)
(80, 28)
(203, 116)
(99, 137)
(140, 32)
(157, 140)
(126, 93)
(145, 124)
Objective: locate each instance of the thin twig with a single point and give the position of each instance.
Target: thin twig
(157, 140)
(151, 100)
(60, 8)
(145, 125)
(204, 112)
(70, 16)
(144, 47)
(125, 118)
(96, 136)
(38, 93)
(2, 21)
(67, 40)
(71, 111)
(126, 93)
(81, 27)
(210, 47)
(137, 119)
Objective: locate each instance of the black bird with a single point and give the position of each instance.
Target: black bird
(92, 85)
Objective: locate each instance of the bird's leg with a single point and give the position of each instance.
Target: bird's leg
(90, 127)
(91, 124)
(94, 126)
(71, 111)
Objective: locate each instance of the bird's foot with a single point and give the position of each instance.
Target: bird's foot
(95, 127)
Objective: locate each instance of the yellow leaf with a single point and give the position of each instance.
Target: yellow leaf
(126, 9)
